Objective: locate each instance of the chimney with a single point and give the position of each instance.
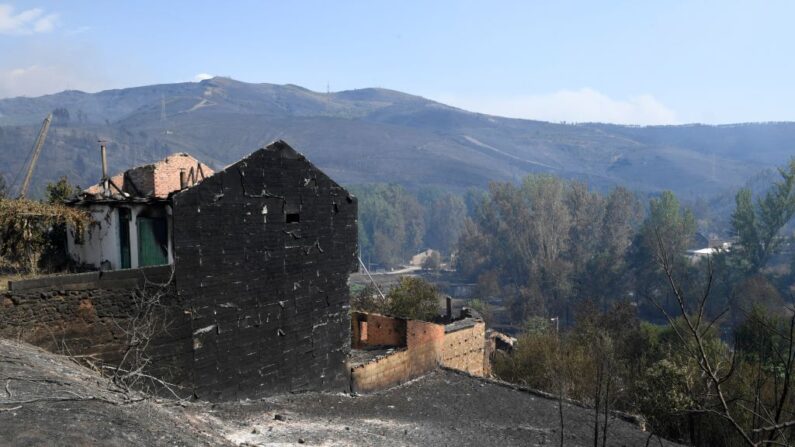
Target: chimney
(104, 160)
(449, 308)
(183, 182)
(105, 180)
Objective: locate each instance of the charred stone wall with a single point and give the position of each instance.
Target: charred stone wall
(263, 251)
(90, 315)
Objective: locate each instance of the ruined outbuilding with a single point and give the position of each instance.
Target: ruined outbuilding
(388, 351)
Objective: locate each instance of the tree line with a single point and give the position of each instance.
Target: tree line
(703, 349)
(395, 223)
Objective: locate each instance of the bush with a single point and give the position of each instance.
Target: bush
(367, 299)
(413, 298)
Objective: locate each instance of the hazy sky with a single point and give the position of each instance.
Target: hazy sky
(629, 62)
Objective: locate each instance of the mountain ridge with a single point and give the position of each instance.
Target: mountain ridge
(376, 135)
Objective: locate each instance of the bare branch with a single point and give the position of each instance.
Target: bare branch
(774, 427)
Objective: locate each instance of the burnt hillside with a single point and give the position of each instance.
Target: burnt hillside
(375, 135)
(50, 400)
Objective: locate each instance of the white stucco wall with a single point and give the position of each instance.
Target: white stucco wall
(101, 241)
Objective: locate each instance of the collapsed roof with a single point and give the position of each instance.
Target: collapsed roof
(151, 181)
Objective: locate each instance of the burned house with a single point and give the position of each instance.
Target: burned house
(263, 250)
(259, 254)
(131, 214)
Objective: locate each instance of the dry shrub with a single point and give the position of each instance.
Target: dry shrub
(25, 225)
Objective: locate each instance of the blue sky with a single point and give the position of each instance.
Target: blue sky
(628, 62)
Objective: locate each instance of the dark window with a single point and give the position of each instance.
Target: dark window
(292, 217)
(124, 237)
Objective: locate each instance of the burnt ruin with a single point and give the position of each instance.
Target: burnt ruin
(256, 293)
(263, 251)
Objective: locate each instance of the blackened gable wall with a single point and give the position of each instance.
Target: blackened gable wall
(263, 250)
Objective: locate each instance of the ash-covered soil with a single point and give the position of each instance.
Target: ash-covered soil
(47, 399)
(441, 409)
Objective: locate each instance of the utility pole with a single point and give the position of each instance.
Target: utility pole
(45, 127)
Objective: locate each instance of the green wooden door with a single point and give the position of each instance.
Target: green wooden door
(152, 241)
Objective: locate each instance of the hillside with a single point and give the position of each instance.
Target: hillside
(375, 135)
(49, 399)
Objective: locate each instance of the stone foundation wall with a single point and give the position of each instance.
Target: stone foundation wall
(90, 315)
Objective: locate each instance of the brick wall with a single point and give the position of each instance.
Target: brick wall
(166, 173)
(377, 330)
(421, 355)
(465, 349)
(425, 342)
(157, 179)
(382, 373)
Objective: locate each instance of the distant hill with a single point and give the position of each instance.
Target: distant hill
(375, 135)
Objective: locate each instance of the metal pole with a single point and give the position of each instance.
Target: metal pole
(371, 278)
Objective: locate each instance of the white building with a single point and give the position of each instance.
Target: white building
(130, 214)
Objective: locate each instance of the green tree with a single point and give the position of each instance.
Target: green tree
(604, 276)
(368, 299)
(60, 191)
(473, 199)
(669, 224)
(444, 221)
(663, 236)
(548, 244)
(758, 225)
(413, 298)
(391, 223)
